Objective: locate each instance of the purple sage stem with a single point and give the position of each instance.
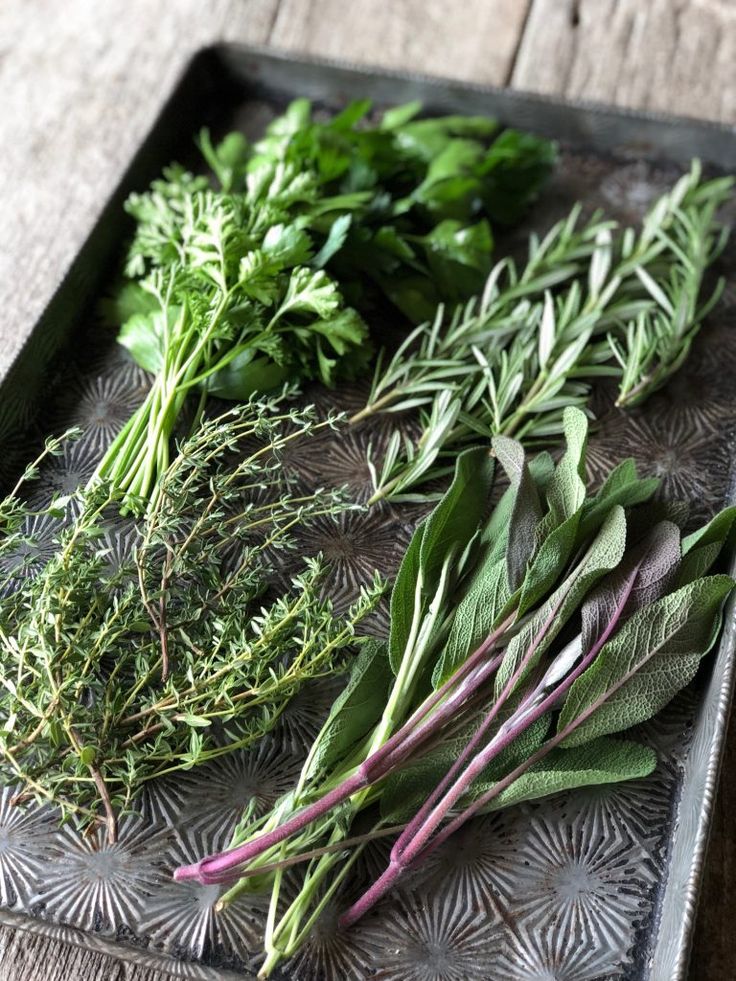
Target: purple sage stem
(419, 843)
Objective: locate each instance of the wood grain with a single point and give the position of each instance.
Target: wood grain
(82, 81)
(474, 39)
(670, 55)
(26, 957)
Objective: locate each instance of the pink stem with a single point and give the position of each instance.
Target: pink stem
(418, 820)
(378, 764)
(419, 843)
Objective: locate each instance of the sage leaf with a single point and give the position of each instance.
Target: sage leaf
(404, 597)
(701, 549)
(566, 492)
(622, 486)
(475, 618)
(604, 554)
(458, 515)
(356, 709)
(649, 571)
(599, 762)
(653, 656)
(526, 512)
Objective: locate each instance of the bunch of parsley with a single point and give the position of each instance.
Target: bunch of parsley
(252, 283)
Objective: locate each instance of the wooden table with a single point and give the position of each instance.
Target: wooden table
(82, 81)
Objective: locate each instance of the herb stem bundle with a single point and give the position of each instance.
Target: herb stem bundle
(586, 304)
(480, 700)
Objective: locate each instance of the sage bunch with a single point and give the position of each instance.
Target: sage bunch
(520, 644)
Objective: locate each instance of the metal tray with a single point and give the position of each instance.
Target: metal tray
(596, 884)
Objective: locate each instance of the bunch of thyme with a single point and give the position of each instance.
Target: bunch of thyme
(587, 303)
(115, 669)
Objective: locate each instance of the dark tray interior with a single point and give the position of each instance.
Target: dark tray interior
(570, 887)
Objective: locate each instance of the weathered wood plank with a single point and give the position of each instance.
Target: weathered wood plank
(82, 83)
(26, 957)
(669, 55)
(475, 39)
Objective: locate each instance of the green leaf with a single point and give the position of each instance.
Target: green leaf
(514, 169)
(653, 656)
(458, 515)
(701, 549)
(287, 245)
(604, 554)
(549, 562)
(566, 492)
(427, 138)
(334, 241)
(443, 537)
(247, 374)
(622, 486)
(407, 789)
(459, 257)
(356, 710)
(130, 299)
(196, 720)
(526, 512)
(309, 291)
(228, 160)
(474, 617)
(648, 570)
(602, 761)
(406, 599)
(143, 336)
(400, 115)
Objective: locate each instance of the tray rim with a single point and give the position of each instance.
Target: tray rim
(266, 53)
(678, 907)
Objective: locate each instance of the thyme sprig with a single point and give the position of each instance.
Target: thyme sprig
(588, 303)
(118, 669)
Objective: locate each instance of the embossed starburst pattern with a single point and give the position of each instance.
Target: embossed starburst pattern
(587, 885)
(99, 885)
(543, 955)
(634, 808)
(100, 406)
(222, 792)
(479, 865)
(26, 845)
(39, 535)
(433, 939)
(182, 918)
(64, 474)
(687, 458)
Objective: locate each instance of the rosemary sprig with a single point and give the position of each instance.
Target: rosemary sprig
(585, 305)
(116, 671)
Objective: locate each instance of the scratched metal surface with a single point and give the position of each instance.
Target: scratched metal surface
(593, 884)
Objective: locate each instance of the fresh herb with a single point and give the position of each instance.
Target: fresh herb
(519, 644)
(240, 289)
(587, 304)
(120, 666)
